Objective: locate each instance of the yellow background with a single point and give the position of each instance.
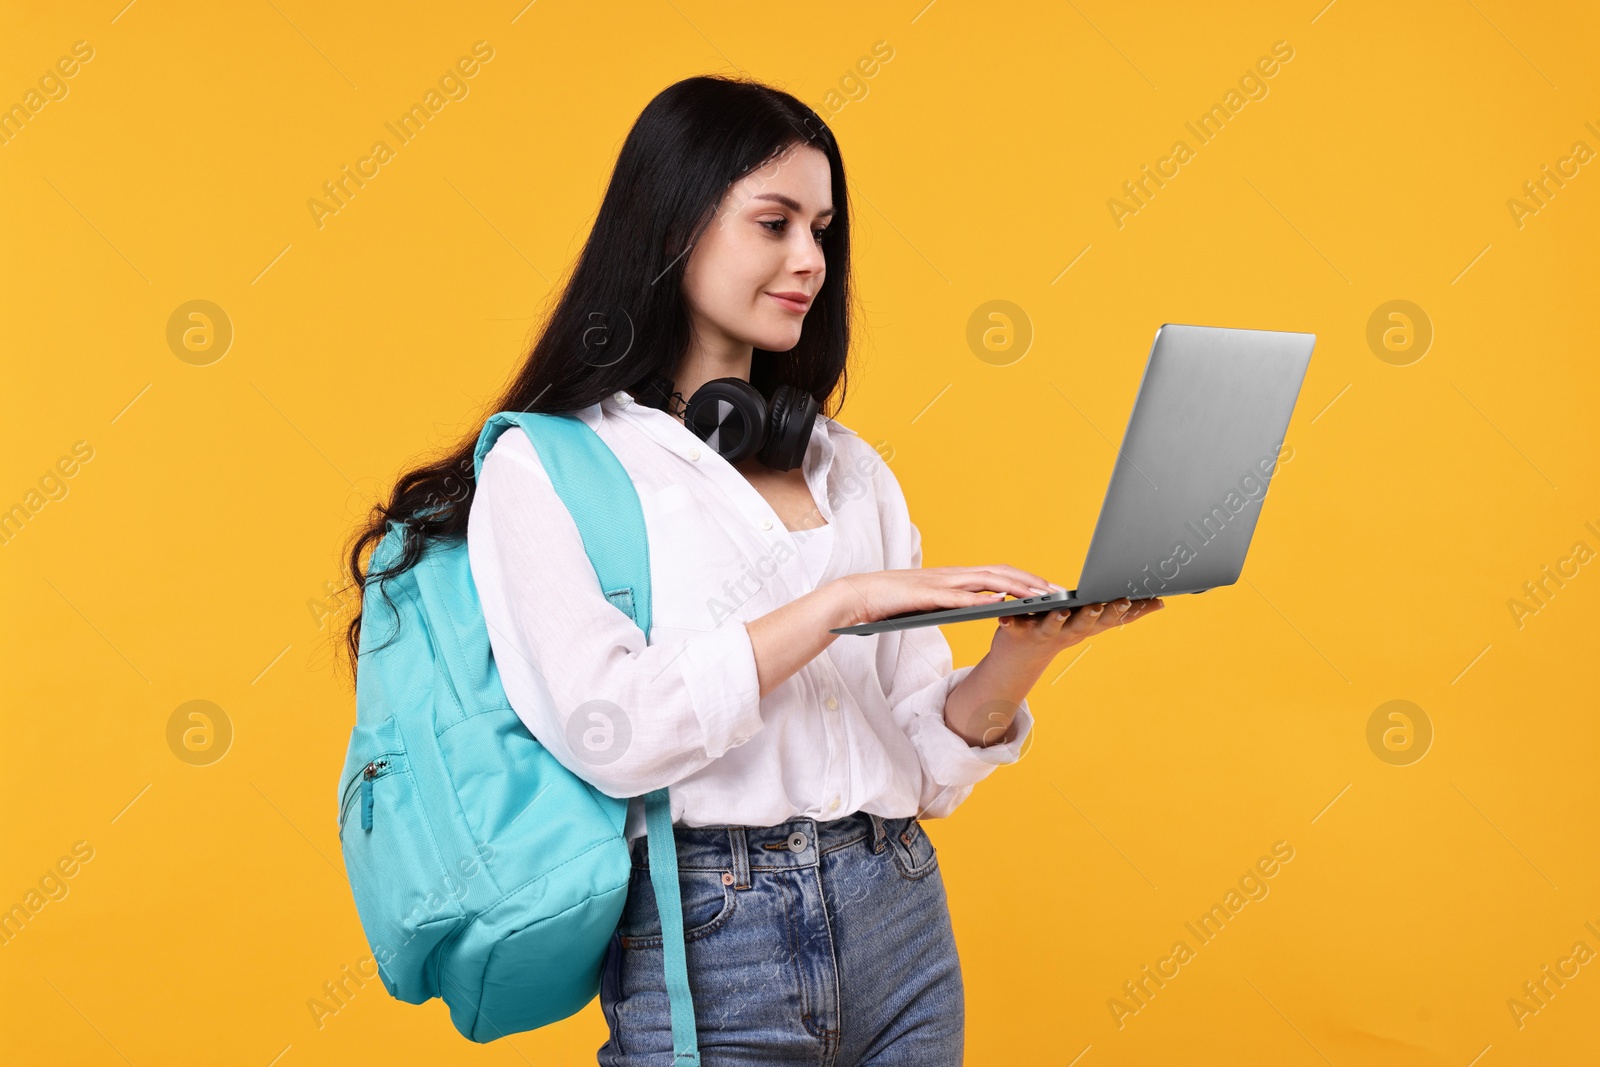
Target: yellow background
(181, 563)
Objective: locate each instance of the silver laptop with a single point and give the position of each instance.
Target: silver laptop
(1195, 463)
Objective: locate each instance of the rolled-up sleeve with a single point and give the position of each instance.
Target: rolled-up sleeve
(922, 680)
(625, 715)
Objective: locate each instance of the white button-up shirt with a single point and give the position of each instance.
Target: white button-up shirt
(858, 728)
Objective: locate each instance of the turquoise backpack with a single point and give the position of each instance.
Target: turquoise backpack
(485, 872)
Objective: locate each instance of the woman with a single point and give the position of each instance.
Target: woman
(815, 919)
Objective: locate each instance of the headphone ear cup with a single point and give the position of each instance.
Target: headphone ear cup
(793, 416)
(730, 415)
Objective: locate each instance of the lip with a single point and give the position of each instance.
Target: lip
(796, 302)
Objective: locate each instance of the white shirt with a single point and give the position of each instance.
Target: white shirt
(858, 728)
(816, 548)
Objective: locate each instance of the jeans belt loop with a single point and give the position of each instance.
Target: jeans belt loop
(740, 846)
(879, 834)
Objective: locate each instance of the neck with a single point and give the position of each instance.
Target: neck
(710, 357)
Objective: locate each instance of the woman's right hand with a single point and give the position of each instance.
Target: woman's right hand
(876, 595)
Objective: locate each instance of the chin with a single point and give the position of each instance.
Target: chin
(779, 339)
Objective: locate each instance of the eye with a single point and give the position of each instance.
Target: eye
(777, 225)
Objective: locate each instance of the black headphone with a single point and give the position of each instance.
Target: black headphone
(732, 416)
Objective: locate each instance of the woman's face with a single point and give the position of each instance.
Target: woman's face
(765, 239)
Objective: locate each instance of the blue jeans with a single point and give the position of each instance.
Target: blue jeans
(808, 942)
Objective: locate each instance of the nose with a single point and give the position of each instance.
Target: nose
(808, 259)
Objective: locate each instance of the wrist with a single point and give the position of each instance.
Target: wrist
(844, 605)
(1011, 646)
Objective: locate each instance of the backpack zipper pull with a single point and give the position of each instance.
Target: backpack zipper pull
(368, 773)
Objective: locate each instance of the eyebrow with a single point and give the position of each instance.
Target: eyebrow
(789, 202)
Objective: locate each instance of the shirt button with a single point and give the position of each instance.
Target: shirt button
(833, 703)
(766, 524)
(797, 842)
(694, 453)
(622, 398)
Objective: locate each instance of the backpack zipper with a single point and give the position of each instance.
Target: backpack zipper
(371, 771)
(374, 769)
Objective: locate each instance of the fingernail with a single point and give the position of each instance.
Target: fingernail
(1037, 589)
(1096, 609)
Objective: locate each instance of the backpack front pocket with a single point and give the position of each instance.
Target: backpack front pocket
(408, 900)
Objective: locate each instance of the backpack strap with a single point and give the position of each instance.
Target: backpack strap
(664, 879)
(601, 497)
(596, 489)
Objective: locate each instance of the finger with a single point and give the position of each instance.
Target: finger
(961, 586)
(1001, 577)
(1117, 612)
(1042, 621)
(941, 595)
(1142, 608)
(996, 578)
(1085, 620)
(1135, 610)
(1034, 583)
(1045, 623)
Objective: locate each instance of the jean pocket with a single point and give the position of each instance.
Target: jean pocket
(707, 903)
(912, 848)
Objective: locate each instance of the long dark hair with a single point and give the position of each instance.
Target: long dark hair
(620, 319)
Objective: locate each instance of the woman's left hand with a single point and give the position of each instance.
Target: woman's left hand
(1049, 633)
